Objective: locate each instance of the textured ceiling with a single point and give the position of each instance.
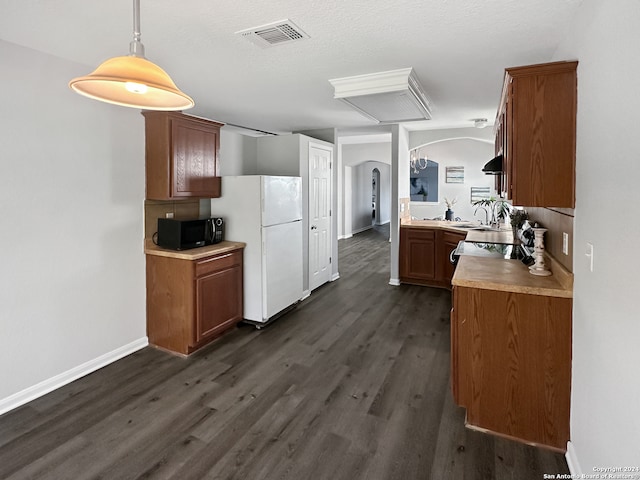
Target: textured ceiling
(458, 49)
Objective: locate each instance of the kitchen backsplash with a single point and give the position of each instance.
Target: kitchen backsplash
(404, 204)
(154, 209)
(556, 221)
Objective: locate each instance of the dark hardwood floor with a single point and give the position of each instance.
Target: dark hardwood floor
(353, 384)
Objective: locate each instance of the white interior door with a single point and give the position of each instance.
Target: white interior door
(319, 216)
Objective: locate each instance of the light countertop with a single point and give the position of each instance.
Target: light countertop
(512, 276)
(194, 253)
(504, 235)
(496, 273)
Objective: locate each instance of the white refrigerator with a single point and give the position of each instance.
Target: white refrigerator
(265, 212)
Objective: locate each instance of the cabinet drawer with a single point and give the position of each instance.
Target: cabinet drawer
(451, 237)
(420, 234)
(218, 262)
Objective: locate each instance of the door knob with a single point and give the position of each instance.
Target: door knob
(313, 227)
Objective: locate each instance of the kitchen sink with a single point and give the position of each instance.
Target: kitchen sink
(485, 228)
(475, 226)
(466, 225)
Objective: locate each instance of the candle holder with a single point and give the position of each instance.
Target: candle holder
(539, 268)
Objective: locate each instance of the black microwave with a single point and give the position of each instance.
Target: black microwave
(183, 234)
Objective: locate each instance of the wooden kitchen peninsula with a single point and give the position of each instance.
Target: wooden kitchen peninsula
(193, 296)
(511, 349)
(425, 247)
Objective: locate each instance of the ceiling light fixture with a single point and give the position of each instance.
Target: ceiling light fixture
(132, 80)
(385, 97)
(417, 161)
(480, 122)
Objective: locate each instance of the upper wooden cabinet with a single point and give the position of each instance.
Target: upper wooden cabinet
(181, 156)
(536, 134)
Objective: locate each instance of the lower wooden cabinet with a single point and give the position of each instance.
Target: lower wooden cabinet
(448, 242)
(191, 302)
(417, 255)
(511, 363)
(424, 256)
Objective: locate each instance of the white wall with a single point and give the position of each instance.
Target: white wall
(363, 158)
(238, 154)
(289, 155)
(346, 206)
(361, 195)
(605, 427)
(72, 276)
(469, 153)
(279, 155)
(424, 137)
(384, 202)
(356, 153)
(399, 189)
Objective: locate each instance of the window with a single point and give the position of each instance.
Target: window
(423, 180)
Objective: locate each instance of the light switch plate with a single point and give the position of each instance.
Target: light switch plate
(565, 243)
(589, 255)
(168, 215)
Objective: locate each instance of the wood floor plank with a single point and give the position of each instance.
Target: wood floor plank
(352, 384)
(79, 413)
(319, 393)
(172, 458)
(235, 427)
(449, 453)
(126, 437)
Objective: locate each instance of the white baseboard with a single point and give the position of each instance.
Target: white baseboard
(306, 294)
(394, 281)
(335, 277)
(572, 461)
(363, 229)
(344, 237)
(53, 383)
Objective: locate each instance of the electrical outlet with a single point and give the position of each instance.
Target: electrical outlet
(565, 243)
(168, 215)
(589, 255)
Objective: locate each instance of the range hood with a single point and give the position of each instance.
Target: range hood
(493, 166)
(385, 97)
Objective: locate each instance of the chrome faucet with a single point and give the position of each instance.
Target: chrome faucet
(486, 214)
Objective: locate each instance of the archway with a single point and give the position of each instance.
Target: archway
(375, 196)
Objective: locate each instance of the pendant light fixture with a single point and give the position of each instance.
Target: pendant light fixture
(132, 80)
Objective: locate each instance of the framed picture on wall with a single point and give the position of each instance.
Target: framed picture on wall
(423, 186)
(455, 175)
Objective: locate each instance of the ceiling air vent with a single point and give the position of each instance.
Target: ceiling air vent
(276, 33)
(385, 97)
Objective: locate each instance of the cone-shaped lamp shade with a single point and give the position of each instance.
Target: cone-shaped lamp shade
(132, 81)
